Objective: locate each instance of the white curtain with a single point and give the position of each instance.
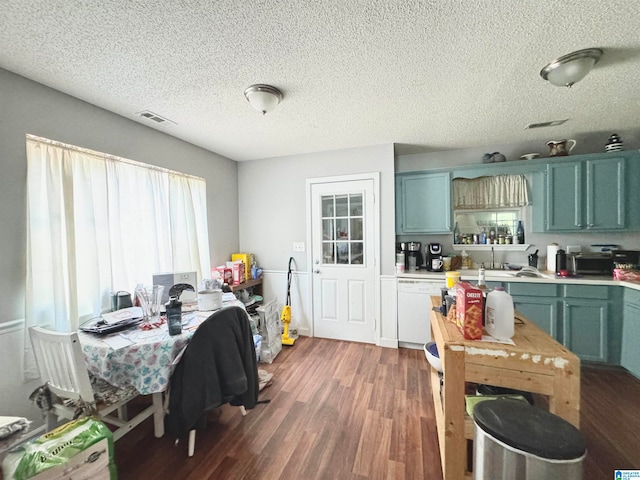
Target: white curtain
(97, 224)
(498, 191)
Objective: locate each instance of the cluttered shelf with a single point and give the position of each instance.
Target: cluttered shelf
(248, 284)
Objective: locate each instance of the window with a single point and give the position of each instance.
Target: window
(342, 229)
(99, 223)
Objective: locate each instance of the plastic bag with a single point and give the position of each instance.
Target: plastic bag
(57, 449)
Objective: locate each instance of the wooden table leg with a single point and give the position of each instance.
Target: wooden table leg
(565, 401)
(454, 458)
(158, 414)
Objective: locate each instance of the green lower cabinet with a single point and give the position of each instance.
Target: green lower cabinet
(543, 311)
(585, 328)
(630, 358)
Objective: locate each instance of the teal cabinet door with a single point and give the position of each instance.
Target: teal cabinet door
(631, 339)
(543, 311)
(605, 195)
(630, 357)
(586, 195)
(564, 197)
(585, 328)
(423, 203)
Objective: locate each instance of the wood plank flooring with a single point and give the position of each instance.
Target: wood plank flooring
(343, 410)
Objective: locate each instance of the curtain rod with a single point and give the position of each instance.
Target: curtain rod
(107, 156)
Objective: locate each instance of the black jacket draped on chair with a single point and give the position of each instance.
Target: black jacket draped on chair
(218, 366)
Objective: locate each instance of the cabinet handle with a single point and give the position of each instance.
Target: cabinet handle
(579, 225)
(591, 225)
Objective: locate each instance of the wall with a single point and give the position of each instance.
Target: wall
(273, 212)
(588, 144)
(29, 107)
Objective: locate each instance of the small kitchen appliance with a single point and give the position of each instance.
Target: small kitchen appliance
(626, 257)
(434, 257)
(412, 255)
(592, 264)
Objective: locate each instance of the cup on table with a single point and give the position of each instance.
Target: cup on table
(446, 262)
(150, 299)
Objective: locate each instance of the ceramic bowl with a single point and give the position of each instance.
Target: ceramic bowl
(431, 352)
(529, 156)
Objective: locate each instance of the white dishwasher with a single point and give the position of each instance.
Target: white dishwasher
(413, 310)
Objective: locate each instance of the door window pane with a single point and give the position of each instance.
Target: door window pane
(327, 253)
(343, 229)
(342, 250)
(356, 229)
(328, 232)
(327, 206)
(342, 205)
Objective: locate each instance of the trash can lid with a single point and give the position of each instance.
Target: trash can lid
(530, 429)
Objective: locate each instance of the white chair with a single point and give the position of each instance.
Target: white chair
(62, 367)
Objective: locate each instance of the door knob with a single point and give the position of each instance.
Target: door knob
(316, 271)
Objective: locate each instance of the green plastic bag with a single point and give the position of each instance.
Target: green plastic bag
(85, 444)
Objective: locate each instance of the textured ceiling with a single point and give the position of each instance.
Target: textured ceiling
(425, 75)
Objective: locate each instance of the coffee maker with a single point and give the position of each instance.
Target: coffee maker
(412, 255)
(434, 257)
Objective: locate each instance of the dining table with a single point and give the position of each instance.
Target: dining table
(142, 356)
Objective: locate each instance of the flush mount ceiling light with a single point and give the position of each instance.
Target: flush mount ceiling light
(263, 98)
(571, 68)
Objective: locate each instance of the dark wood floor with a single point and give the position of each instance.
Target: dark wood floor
(343, 410)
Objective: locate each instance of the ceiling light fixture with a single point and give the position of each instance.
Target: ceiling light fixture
(571, 68)
(263, 98)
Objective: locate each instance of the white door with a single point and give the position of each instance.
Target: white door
(343, 256)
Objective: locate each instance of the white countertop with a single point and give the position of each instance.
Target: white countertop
(509, 276)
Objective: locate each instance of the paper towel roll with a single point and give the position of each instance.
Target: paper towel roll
(551, 256)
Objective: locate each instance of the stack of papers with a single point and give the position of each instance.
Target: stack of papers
(111, 318)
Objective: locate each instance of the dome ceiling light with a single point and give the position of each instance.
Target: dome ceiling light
(263, 98)
(571, 68)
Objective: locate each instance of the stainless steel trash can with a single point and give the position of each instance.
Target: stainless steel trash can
(516, 441)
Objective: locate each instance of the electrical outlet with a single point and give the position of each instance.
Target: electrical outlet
(298, 246)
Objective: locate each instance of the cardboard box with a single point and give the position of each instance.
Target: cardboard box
(247, 259)
(469, 310)
(238, 273)
(225, 273)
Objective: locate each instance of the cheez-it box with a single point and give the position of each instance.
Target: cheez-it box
(469, 310)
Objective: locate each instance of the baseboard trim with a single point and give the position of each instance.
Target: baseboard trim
(388, 343)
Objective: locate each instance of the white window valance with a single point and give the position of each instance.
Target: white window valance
(498, 191)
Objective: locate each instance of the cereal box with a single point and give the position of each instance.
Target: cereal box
(469, 310)
(225, 273)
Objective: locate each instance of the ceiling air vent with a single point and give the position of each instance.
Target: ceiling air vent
(552, 123)
(154, 117)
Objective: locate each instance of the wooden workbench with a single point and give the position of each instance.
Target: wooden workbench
(536, 363)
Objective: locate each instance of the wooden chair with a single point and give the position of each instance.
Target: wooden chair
(61, 364)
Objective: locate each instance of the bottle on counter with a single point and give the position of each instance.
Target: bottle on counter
(174, 316)
(456, 234)
(520, 232)
(483, 237)
(466, 260)
(482, 284)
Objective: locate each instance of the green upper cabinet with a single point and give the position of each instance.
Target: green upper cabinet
(586, 195)
(423, 203)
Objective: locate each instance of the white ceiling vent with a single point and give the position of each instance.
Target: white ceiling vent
(552, 123)
(155, 118)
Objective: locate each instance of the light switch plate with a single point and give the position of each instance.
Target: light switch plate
(298, 246)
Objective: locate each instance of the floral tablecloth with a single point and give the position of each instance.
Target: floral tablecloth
(143, 359)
